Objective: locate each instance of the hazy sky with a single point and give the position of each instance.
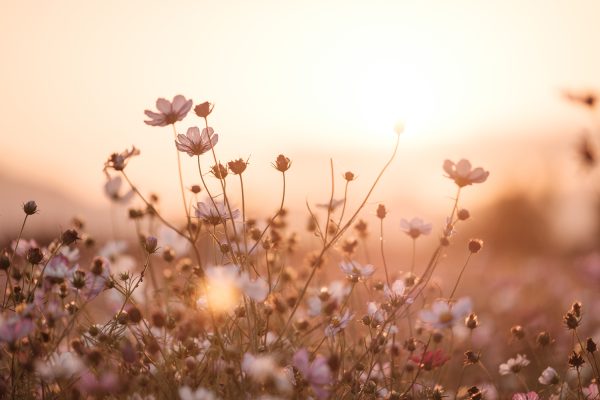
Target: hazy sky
(312, 79)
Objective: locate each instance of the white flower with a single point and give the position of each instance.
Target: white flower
(112, 189)
(71, 254)
(514, 365)
(338, 324)
(195, 143)
(58, 268)
(263, 368)
(463, 174)
(396, 291)
(59, 366)
(186, 393)
(549, 377)
(354, 270)
(415, 227)
(257, 289)
(168, 237)
(375, 312)
(216, 213)
(442, 315)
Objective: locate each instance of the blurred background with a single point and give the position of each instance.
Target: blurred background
(313, 80)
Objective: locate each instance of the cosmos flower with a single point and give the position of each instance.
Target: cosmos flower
(463, 174)
(169, 112)
(513, 365)
(317, 374)
(112, 189)
(216, 213)
(354, 270)
(375, 312)
(548, 377)
(58, 269)
(118, 161)
(338, 324)
(591, 392)
(263, 369)
(186, 393)
(415, 227)
(443, 315)
(195, 143)
(257, 289)
(14, 328)
(431, 359)
(59, 366)
(396, 292)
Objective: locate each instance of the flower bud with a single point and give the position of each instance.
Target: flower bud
(195, 189)
(590, 345)
(151, 244)
(203, 110)
(282, 163)
(463, 214)
(69, 236)
(381, 211)
(349, 176)
(518, 332)
(475, 245)
(219, 171)
(237, 167)
(30, 207)
(471, 321)
(543, 339)
(4, 262)
(34, 255)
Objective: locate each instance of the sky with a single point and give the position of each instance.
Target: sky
(311, 79)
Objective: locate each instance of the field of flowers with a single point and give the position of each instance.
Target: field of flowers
(227, 306)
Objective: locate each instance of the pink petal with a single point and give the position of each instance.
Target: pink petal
(164, 106)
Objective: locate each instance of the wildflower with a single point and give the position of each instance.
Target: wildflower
(526, 396)
(112, 188)
(443, 315)
(195, 143)
(169, 112)
(257, 289)
(151, 244)
(317, 374)
(282, 163)
(237, 167)
(30, 207)
(463, 174)
(475, 245)
(58, 269)
(349, 176)
(338, 324)
(14, 328)
(590, 345)
(186, 393)
(514, 365)
(549, 377)
(34, 255)
(431, 359)
(203, 110)
(118, 161)
(69, 236)
(216, 213)
(381, 211)
(591, 392)
(356, 271)
(415, 227)
(264, 369)
(59, 366)
(374, 313)
(396, 292)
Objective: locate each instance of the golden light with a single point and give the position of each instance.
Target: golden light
(222, 290)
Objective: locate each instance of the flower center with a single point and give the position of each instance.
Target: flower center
(446, 317)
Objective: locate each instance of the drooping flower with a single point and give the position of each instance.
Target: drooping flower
(216, 213)
(514, 365)
(443, 315)
(112, 189)
(195, 143)
(549, 377)
(118, 161)
(169, 112)
(354, 270)
(317, 374)
(463, 174)
(526, 396)
(415, 227)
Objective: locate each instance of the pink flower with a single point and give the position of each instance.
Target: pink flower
(431, 359)
(526, 396)
(58, 269)
(169, 112)
(353, 269)
(317, 374)
(463, 174)
(195, 143)
(338, 324)
(591, 392)
(443, 315)
(14, 328)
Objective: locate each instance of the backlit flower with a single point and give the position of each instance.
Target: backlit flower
(216, 213)
(513, 365)
(338, 324)
(169, 112)
(526, 396)
(431, 359)
(317, 374)
(463, 174)
(195, 143)
(354, 270)
(549, 377)
(59, 366)
(112, 189)
(443, 315)
(415, 227)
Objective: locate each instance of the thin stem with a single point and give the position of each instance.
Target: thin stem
(187, 214)
(459, 277)
(387, 275)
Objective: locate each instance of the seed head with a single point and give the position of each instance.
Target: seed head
(69, 236)
(475, 245)
(576, 360)
(151, 244)
(349, 176)
(590, 345)
(381, 211)
(219, 171)
(571, 321)
(34, 255)
(543, 339)
(463, 214)
(237, 167)
(282, 163)
(30, 207)
(471, 357)
(195, 189)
